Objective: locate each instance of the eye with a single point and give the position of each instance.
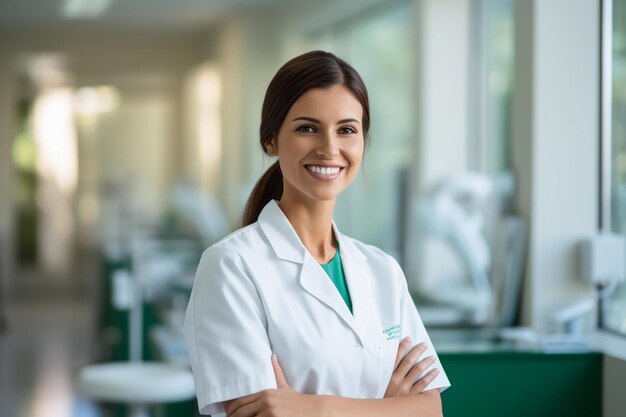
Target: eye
(347, 130)
(306, 129)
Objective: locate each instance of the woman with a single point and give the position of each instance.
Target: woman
(289, 317)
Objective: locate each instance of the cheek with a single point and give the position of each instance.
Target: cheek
(357, 152)
(292, 149)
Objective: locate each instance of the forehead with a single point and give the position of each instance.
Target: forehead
(327, 104)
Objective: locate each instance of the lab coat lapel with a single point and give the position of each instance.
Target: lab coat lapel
(358, 279)
(316, 282)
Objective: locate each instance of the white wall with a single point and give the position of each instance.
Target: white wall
(249, 49)
(132, 147)
(555, 146)
(443, 69)
(442, 41)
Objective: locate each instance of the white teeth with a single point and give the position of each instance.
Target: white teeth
(323, 170)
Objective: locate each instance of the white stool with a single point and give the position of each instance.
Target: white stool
(138, 384)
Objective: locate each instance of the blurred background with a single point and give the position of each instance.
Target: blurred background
(496, 175)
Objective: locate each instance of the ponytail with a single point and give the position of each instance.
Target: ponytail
(269, 187)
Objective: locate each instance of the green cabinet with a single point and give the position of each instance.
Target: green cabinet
(512, 384)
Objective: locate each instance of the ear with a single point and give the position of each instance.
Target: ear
(271, 147)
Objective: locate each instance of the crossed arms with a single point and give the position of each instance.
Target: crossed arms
(404, 395)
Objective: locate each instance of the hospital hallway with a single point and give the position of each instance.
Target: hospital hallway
(48, 336)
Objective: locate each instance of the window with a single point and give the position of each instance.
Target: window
(615, 305)
(491, 91)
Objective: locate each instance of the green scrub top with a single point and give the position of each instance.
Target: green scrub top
(334, 269)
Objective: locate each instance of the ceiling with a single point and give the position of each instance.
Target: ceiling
(160, 16)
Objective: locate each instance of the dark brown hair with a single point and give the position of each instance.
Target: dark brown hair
(315, 69)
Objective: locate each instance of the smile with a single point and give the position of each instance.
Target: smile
(322, 170)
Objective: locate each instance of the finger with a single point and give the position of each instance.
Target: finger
(248, 410)
(419, 369)
(243, 401)
(281, 381)
(410, 359)
(414, 374)
(402, 347)
(420, 385)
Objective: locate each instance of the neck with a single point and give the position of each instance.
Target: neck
(312, 221)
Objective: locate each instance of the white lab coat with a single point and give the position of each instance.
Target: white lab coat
(260, 291)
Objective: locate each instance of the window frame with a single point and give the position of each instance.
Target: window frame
(605, 168)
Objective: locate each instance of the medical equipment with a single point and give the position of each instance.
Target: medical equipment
(201, 210)
(603, 258)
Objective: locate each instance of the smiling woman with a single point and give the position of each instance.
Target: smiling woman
(288, 316)
(302, 89)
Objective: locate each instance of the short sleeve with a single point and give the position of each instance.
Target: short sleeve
(411, 325)
(225, 332)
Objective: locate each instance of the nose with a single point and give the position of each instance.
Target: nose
(328, 145)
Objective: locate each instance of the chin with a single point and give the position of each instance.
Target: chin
(324, 196)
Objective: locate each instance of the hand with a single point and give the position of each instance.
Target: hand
(281, 402)
(407, 370)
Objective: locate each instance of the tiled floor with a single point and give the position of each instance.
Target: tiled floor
(49, 336)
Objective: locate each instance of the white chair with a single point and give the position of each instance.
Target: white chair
(136, 383)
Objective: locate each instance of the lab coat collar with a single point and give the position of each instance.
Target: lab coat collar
(280, 233)
(288, 246)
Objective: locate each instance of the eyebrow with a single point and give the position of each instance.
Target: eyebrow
(314, 120)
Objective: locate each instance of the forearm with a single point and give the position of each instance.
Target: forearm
(413, 405)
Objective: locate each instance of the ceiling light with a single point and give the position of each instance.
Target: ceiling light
(85, 9)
